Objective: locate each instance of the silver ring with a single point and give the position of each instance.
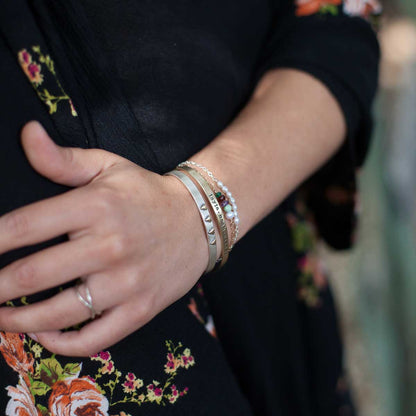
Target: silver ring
(87, 299)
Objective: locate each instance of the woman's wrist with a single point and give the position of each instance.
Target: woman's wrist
(188, 219)
(289, 128)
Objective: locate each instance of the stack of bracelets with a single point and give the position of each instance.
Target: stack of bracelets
(216, 206)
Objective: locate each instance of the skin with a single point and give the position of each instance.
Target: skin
(126, 225)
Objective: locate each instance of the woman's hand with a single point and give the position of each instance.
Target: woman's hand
(135, 236)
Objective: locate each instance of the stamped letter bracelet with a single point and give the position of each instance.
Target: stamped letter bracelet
(216, 206)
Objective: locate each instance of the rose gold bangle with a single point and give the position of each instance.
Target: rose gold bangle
(224, 197)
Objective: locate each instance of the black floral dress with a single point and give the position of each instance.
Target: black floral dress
(155, 81)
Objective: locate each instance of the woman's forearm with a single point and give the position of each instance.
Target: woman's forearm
(291, 125)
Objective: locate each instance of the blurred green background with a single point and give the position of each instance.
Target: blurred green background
(375, 283)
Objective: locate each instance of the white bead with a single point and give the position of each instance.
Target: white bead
(236, 220)
(220, 184)
(229, 215)
(232, 199)
(225, 189)
(229, 194)
(234, 207)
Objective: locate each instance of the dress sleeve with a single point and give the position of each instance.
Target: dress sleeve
(336, 41)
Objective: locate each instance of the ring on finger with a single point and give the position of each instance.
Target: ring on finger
(86, 298)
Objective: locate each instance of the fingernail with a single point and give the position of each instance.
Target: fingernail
(33, 336)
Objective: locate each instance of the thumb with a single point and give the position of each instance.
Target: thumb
(65, 165)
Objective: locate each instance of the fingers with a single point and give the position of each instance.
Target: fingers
(65, 309)
(51, 267)
(43, 220)
(65, 165)
(60, 311)
(95, 336)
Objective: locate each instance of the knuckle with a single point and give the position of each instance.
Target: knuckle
(25, 275)
(131, 282)
(105, 200)
(16, 224)
(114, 248)
(144, 310)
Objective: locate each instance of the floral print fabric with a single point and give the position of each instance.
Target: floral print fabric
(362, 8)
(40, 69)
(45, 387)
(39, 383)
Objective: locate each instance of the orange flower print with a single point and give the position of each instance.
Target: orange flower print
(30, 68)
(12, 349)
(209, 322)
(21, 401)
(193, 307)
(77, 397)
(55, 389)
(103, 356)
(306, 7)
(363, 8)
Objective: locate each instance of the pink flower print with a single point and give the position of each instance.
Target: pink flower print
(173, 363)
(33, 72)
(154, 393)
(102, 356)
(174, 395)
(105, 355)
(187, 359)
(108, 367)
(73, 111)
(185, 390)
(30, 68)
(24, 57)
(132, 383)
(128, 386)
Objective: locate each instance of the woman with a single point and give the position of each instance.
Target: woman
(267, 96)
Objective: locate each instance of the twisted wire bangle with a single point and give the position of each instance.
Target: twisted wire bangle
(210, 194)
(204, 213)
(235, 220)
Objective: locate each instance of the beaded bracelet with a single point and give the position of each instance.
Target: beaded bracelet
(225, 199)
(205, 216)
(215, 205)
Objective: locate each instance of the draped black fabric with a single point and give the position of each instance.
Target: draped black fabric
(154, 82)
